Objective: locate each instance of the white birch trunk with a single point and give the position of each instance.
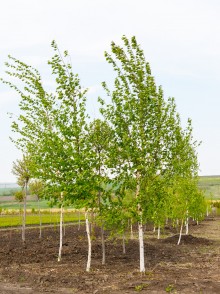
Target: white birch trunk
(24, 213)
(158, 232)
(141, 246)
(88, 266)
(187, 222)
(103, 244)
(187, 226)
(61, 230)
(40, 218)
(154, 229)
(132, 233)
(140, 228)
(207, 211)
(79, 223)
(181, 229)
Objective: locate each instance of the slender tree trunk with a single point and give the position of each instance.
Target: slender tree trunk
(64, 224)
(187, 223)
(141, 246)
(207, 210)
(140, 228)
(61, 229)
(24, 213)
(187, 226)
(132, 233)
(40, 218)
(20, 215)
(103, 244)
(88, 266)
(181, 229)
(79, 223)
(158, 232)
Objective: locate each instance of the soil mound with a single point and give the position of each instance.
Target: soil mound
(187, 239)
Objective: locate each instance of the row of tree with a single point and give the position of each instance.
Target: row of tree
(136, 163)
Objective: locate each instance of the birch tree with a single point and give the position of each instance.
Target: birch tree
(99, 139)
(137, 114)
(51, 126)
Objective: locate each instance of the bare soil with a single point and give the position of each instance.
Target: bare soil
(191, 267)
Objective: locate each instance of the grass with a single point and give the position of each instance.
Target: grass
(30, 204)
(14, 220)
(211, 186)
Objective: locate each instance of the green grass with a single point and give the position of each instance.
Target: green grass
(32, 219)
(211, 186)
(30, 204)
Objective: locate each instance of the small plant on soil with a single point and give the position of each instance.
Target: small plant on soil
(140, 287)
(170, 288)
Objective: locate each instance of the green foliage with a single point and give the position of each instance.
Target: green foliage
(22, 170)
(37, 187)
(19, 196)
(151, 152)
(52, 127)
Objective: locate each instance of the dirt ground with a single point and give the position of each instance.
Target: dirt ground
(191, 267)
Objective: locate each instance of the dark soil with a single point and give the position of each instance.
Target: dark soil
(191, 267)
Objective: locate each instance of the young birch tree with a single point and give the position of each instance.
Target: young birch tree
(138, 116)
(99, 139)
(52, 126)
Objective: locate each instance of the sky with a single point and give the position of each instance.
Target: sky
(180, 39)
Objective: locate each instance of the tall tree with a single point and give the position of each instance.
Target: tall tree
(137, 115)
(144, 124)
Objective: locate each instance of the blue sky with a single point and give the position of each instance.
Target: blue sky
(180, 38)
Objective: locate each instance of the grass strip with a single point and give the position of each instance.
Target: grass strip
(54, 218)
